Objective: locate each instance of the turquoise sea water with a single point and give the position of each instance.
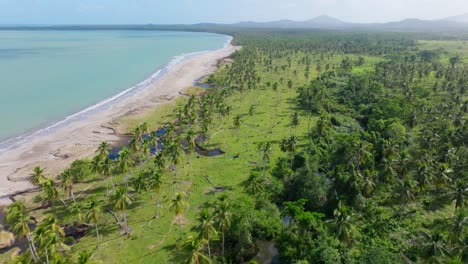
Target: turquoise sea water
(47, 76)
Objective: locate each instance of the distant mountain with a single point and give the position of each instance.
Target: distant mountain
(323, 21)
(460, 19)
(414, 24)
(450, 24)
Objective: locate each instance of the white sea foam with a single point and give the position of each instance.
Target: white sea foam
(104, 104)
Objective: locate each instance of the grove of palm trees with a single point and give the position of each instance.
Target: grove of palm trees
(334, 147)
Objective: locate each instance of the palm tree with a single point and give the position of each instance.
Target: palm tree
(84, 257)
(103, 149)
(66, 183)
(289, 144)
(124, 162)
(146, 147)
(93, 214)
(139, 182)
(265, 150)
(37, 177)
(178, 205)
(120, 201)
(19, 220)
(190, 140)
(295, 120)
(458, 193)
(75, 212)
(49, 191)
(159, 160)
(195, 246)
(206, 227)
(144, 128)
(343, 226)
(237, 123)
(105, 167)
(254, 185)
(155, 182)
(49, 234)
(222, 218)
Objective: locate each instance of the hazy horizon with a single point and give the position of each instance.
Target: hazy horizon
(51, 12)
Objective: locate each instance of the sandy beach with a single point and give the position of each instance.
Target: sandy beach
(58, 149)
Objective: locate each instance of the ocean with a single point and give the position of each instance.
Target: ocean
(50, 78)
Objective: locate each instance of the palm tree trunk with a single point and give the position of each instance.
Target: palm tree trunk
(222, 249)
(97, 236)
(33, 248)
(209, 249)
(180, 227)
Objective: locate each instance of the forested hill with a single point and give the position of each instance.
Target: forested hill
(308, 147)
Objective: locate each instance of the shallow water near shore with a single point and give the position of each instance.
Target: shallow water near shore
(49, 77)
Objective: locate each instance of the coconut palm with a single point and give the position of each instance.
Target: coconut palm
(159, 160)
(105, 167)
(124, 161)
(49, 236)
(93, 215)
(66, 183)
(195, 246)
(19, 220)
(206, 227)
(75, 212)
(37, 177)
(190, 140)
(49, 191)
(342, 223)
(178, 205)
(222, 218)
(85, 257)
(103, 149)
(155, 183)
(265, 149)
(120, 200)
(458, 192)
(254, 185)
(146, 147)
(139, 182)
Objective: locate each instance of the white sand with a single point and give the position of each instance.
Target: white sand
(78, 140)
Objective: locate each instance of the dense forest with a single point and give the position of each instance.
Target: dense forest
(337, 147)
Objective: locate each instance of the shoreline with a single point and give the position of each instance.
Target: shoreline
(14, 141)
(78, 135)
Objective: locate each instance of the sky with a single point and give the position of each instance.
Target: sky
(219, 11)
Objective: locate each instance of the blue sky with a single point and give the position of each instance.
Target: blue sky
(221, 11)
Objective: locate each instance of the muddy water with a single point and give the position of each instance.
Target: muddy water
(268, 253)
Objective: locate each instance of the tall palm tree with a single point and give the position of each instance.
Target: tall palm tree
(66, 183)
(265, 150)
(159, 160)
(139, 182)
(93, 215)
(343, 225)
(85, 257)
(50, 235)
(222, 218)
(105, 167)
(103, 149)
(458, 192)
(195, 246)
(19, 220)
(37, 177)
(178, 205)
(120, 200)
(206, 227)
(155, 183)
(49, 191)
(254, 185)
(124, 162)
